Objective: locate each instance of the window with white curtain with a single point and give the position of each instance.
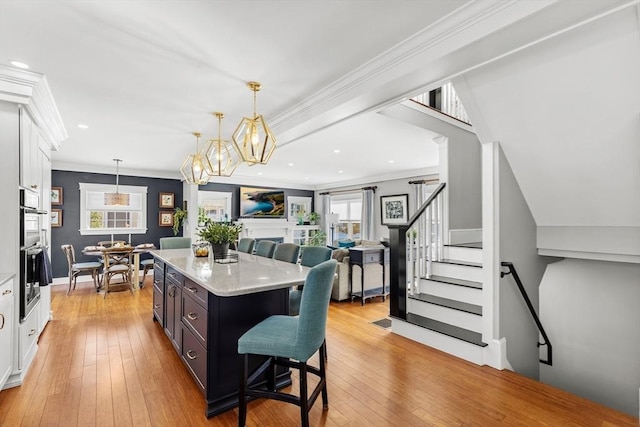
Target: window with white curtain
(98, 218)
(349, 210)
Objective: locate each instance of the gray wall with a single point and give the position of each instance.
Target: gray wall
(464, 182)
(592, 309)
(518, 245)
(69, 232)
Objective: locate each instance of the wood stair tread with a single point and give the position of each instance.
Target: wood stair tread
(446, 329)
(454, 281)
(449, 303)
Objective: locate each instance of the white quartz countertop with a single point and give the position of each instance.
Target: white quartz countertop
(4, 277)
(249, 275)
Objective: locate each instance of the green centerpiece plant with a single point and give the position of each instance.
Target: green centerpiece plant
(220, 235)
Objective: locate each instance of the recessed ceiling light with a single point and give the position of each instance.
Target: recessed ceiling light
(290, 164)
(340, 171)
(19, 64)
(259, 173)
(336, 151)
(392, 161)
(306, 178)
(81, 126)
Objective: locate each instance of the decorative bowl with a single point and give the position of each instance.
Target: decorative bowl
(201, 249)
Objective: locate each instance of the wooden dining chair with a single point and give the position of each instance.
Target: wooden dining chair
(118, 261)
(77, 268)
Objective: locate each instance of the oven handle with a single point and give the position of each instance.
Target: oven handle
(33, 211)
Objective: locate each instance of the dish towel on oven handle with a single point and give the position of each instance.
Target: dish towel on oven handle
(43, 267)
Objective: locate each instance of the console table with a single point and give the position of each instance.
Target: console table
(362, 256)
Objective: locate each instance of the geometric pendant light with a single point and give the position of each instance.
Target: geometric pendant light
(223, 155)
(253, 138)
(117, 198)
(196, 168)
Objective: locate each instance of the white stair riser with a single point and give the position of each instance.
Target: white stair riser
(454, 292)
(456, 271)
(447, 315)
(463, 254)
(445, 343)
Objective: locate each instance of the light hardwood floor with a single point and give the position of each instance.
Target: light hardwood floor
(105, 362)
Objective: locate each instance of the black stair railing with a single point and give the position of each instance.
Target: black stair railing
(398, 280)
(523, 291)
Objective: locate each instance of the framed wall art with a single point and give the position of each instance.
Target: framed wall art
(394, 209)
(165, 219)
(167, 200)
(56, 217)
(56, 195)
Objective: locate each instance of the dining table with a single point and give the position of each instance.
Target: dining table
(98, 251)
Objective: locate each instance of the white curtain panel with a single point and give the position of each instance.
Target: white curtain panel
(326, 212)
(367, 226)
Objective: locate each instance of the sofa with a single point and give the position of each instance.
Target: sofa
(372, 276)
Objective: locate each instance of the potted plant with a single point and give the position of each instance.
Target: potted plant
(219, 234)
(319, 238)
(179, 217)
(313, 218)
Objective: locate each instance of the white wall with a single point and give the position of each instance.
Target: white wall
(9, 160)
(566, 114)
(517, 231)
(385, 188)
(591, 311)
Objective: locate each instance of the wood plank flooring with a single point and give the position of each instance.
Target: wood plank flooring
(105, 362)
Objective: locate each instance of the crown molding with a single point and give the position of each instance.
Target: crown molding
(32, 90)
(464, 25)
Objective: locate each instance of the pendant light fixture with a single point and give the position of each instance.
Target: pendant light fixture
(253, 138)
(197, 169)
(223, 155)
(117, 198)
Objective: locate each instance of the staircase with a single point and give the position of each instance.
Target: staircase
(444, 311)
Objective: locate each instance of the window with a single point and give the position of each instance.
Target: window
(215, 205)
(349, 210)
(98, 218)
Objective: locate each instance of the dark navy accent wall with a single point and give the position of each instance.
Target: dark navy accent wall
(69, 232)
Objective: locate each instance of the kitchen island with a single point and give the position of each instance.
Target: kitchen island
(205, 305)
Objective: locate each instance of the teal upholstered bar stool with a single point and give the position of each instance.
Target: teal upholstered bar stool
(311, 256)
(175, 243)
(287, 252)
(265, 248)
(246, 245)
(290, 341)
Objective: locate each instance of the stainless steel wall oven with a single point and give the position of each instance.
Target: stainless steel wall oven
(30, 251)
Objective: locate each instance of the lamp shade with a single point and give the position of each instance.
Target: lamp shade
(253, 138)
(196, 168)
(222, 154)
(117, 198)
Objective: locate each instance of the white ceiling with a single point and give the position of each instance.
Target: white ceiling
(144, 75)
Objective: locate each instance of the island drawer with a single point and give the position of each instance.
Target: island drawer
(158, 305)
(174, 276)
(195, 317)
(195, 357)
(197, 292)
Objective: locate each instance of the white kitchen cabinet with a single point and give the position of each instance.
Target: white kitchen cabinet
(6, 330)
(30, 175)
